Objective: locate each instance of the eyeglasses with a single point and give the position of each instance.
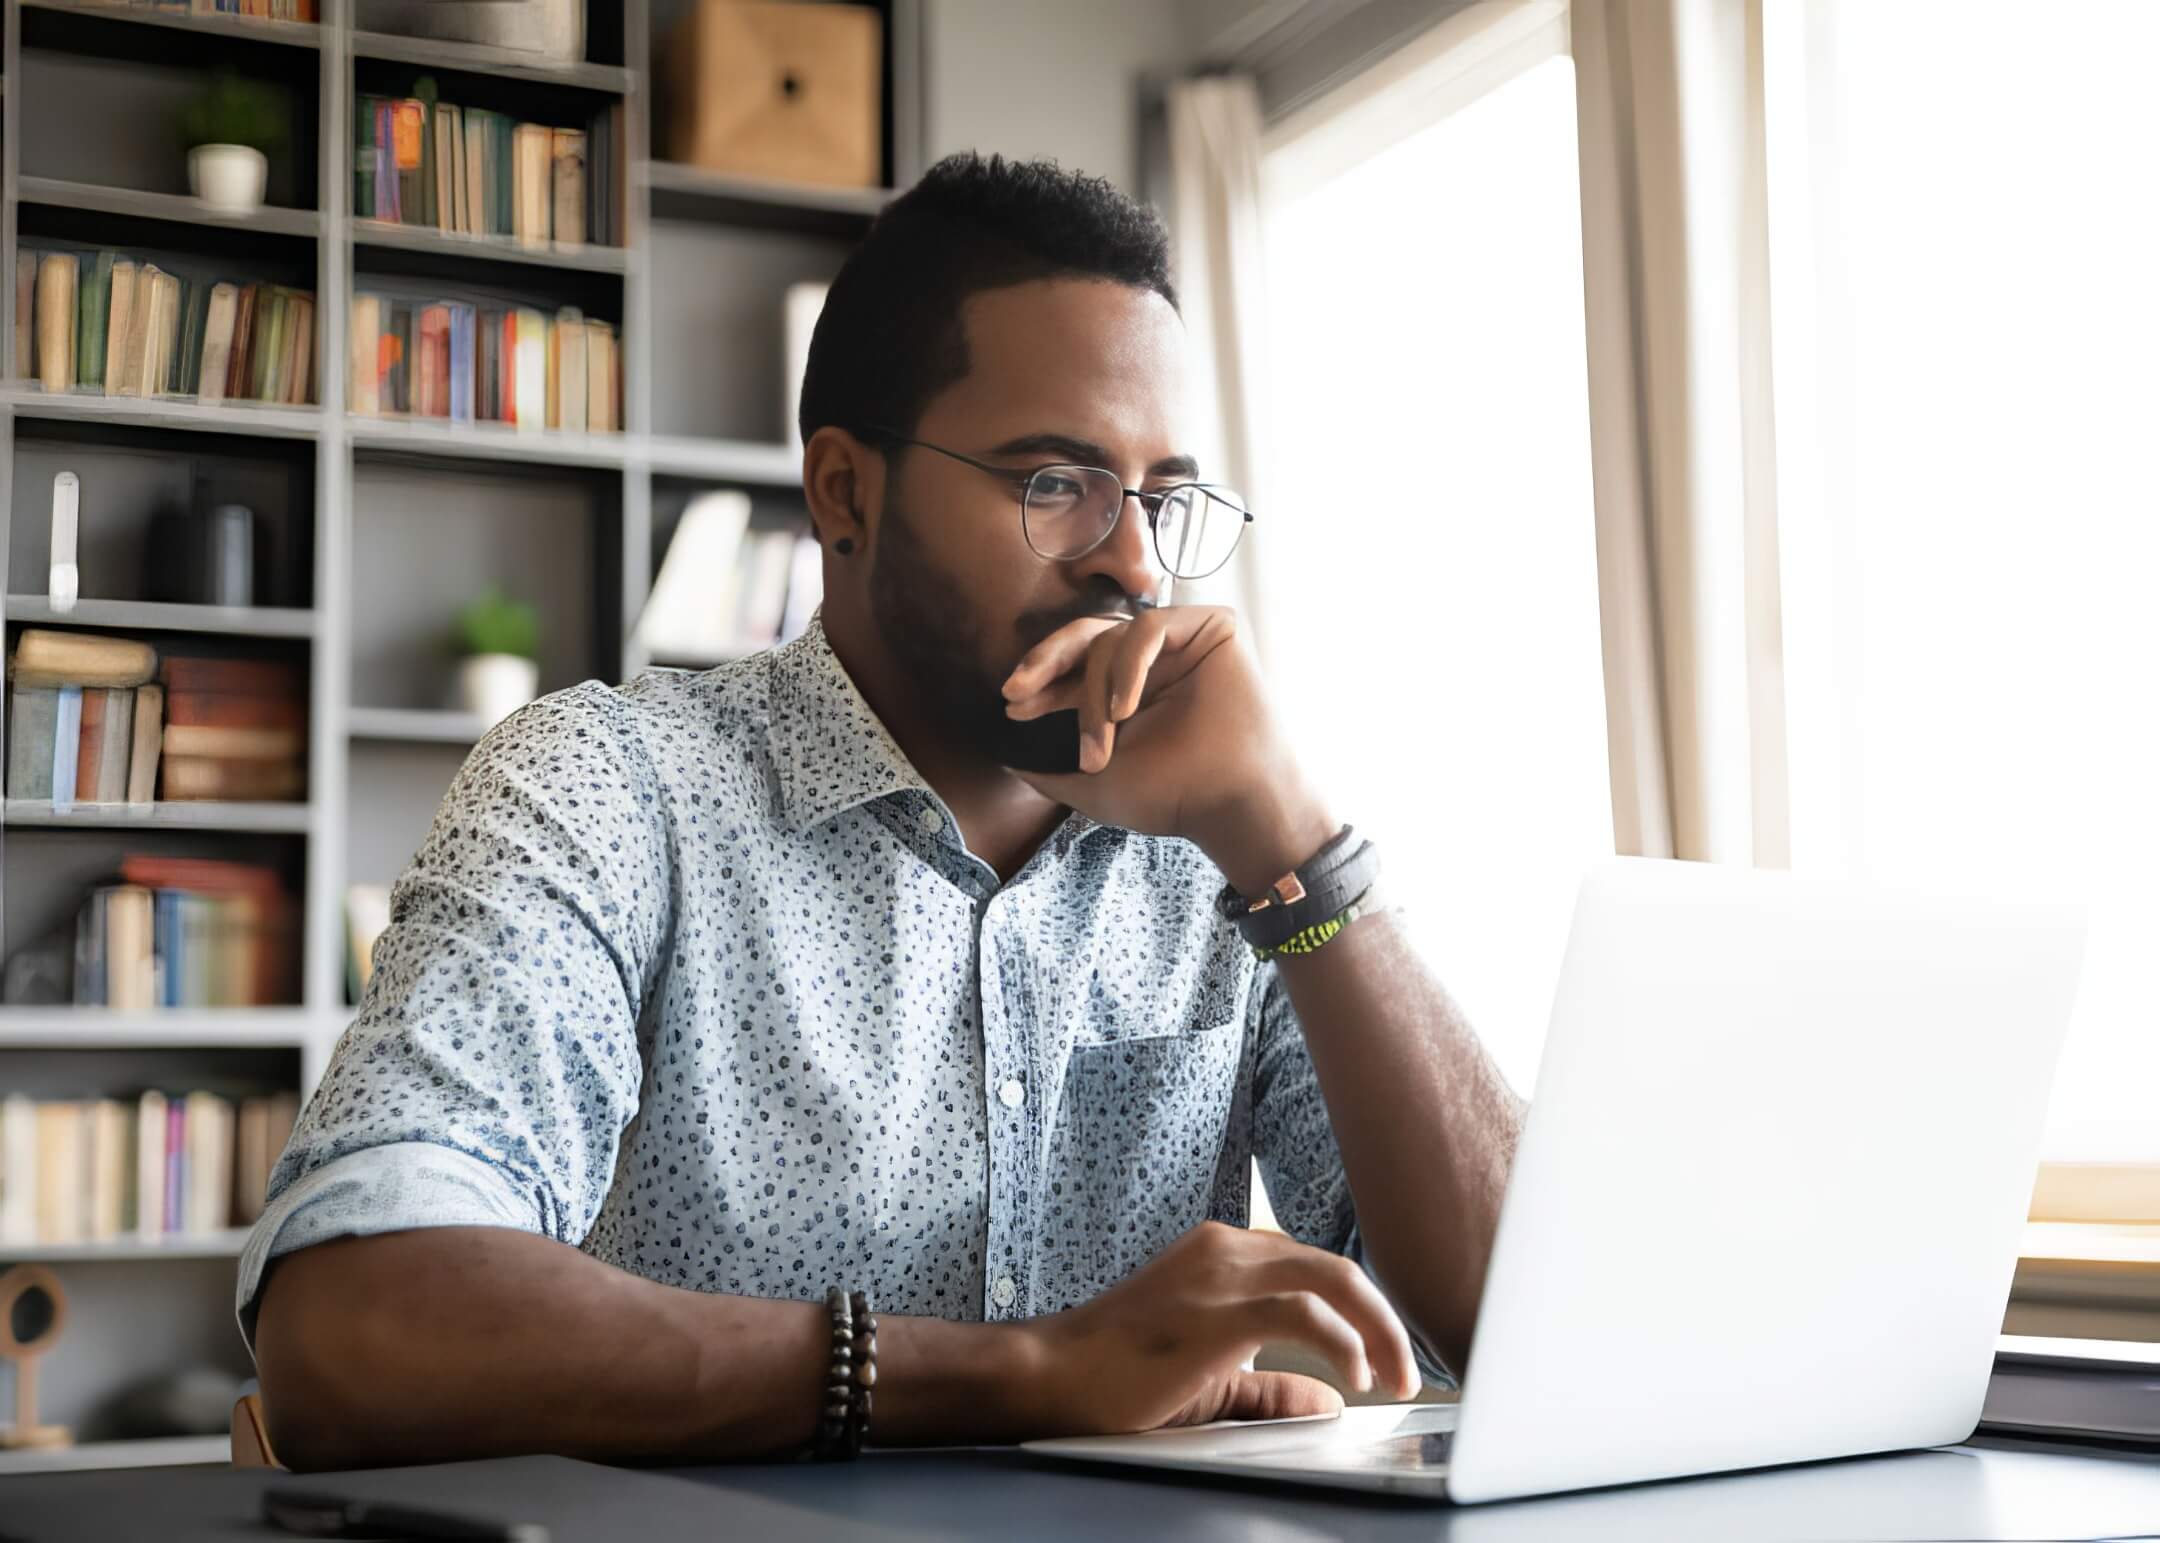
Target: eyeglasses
(1067, 512)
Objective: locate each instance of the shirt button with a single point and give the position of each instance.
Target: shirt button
(1003, 1291)
(932, 821)
(1012, 1095)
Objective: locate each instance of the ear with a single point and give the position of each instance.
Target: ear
(843, 480)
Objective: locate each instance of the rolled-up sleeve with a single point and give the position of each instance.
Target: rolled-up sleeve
(495, 1059)
(1294, 1144)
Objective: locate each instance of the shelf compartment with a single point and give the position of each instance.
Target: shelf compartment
(157, 616)
(204, 814)
(438, 56)
(680, 192)
(130, 1248)
(125, 31)
(723, 460)
(387, 235)
(171, 1028)
(171, 208)
(438, 439)
(163, 412)
(153, 1452)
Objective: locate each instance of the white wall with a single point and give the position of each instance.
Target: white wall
(1053, 78)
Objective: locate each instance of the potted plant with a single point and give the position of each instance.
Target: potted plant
(229, 128)
(500, 641)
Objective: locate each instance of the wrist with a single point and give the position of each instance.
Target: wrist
(945, 1382)
(1267, 838)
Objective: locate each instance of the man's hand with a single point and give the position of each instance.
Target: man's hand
(1166, 1346)
(1176, 738)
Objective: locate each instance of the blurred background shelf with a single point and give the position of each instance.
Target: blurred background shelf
(223, 1244)
(82, 24)
(480, 59)
(389, 236)
(195, 1028)
(292, 819)
(680, 192)
(175, 208)
(158, 616)
(163, 413)
(441, 439)
(415, 725)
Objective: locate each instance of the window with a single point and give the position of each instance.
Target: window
(1964, 242)
(1427, 563)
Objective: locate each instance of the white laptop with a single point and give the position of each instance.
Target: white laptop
(1766, 1208)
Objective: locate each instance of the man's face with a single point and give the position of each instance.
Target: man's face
(1075, 371)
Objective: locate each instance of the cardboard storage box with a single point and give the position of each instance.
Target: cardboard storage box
(765, 89)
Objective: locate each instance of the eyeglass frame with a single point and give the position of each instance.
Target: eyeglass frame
(1150, 503)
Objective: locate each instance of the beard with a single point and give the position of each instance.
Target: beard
(932, 628)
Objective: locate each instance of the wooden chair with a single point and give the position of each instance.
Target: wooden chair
(250, 1436)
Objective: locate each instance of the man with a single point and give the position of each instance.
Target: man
(892, 961)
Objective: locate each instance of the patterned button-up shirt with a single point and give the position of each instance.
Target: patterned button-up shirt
(698, 975)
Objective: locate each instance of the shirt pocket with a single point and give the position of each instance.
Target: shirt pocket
(1151, 1114)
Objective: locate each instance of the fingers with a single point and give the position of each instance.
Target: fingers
(1055, 656)
(1383, 1342)
(1306, 1318)
(1097, 732)
(1276, 1396)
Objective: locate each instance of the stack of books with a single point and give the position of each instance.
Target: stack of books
(109, 323)
(86, 721)
(234, 729)
(473, 172)
(186, 932)
(98, 719)
(267, 10)
(725, 589)
(150, 1166)
(476, 363)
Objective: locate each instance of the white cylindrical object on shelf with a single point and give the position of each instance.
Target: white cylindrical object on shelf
(229, 178)
(493, 686)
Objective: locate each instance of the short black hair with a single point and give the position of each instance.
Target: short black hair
(890, 337)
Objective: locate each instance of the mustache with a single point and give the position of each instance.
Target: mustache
(1034, 626)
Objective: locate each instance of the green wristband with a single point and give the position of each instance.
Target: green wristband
(1311, 939)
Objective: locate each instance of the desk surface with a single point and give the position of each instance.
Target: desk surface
(1964, 1492)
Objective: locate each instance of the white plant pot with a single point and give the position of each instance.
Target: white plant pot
(494, 686)
(229, 178)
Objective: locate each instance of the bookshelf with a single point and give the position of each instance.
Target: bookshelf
(390, 522)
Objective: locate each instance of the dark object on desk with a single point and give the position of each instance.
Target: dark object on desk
(194, 1401)
(310, 1513)
(2082, 1390)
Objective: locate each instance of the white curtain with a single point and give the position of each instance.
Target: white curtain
(1669, 111)
(1214, 219)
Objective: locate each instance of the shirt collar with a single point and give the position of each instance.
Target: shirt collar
(832, 752)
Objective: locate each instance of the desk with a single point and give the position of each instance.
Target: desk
(1963, 1492)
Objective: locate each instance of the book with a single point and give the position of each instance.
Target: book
(175, 1165)
(805, 587)
(101, 757)
(250, 1166)
(46, 657)
(800, 309)
(128, 979)
(473, 173)
(111, 1179)
(145, 741)
(56, 320)
(767, 559)
(243, 338)
(67, 733)
(190, 778)
(690, 614)
(31, 717)
(91, 303)
(150, 1123)
(18, 1169)
(216, 360)
(233, 742)
(366, 390)
(408, 151)
(443, 164)
(365, 157)
(573, 392)
(59, 1167)
(367, 916)
(26, 268)
(566, 217)
(531, 369)
(120, 316)
(532, 152)
(603, 397)
(207, 1206)
(194, 328)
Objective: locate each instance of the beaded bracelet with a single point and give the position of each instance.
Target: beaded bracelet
(844, 1421)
